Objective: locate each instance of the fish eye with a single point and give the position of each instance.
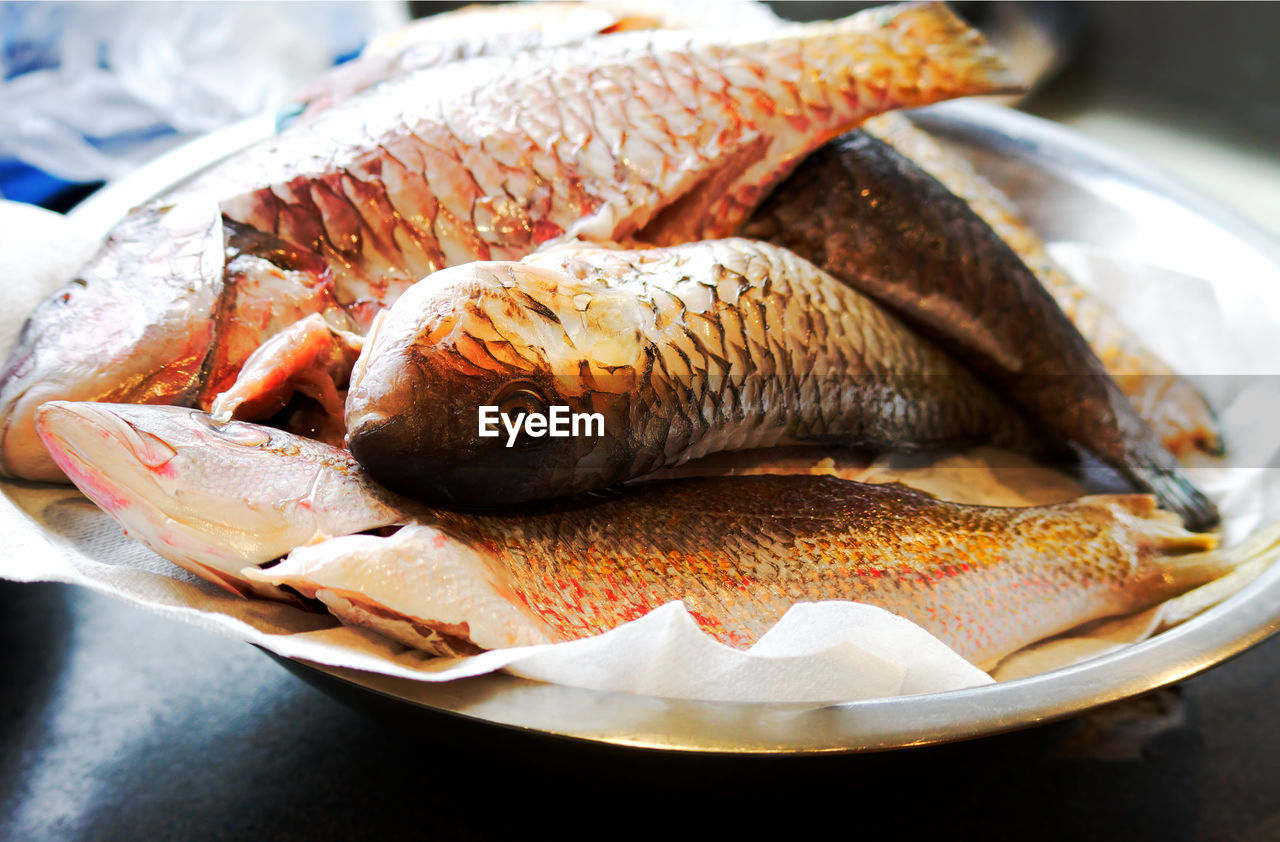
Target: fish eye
(236, 432)
(520, 398)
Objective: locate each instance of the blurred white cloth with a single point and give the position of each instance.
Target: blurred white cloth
(102, 87)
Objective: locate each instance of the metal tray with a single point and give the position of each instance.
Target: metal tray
(1071, 189)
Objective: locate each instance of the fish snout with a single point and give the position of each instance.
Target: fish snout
(94, 431)
(404, 451)
(57, 423)
(404, 461)
(49, 352)
(69, 371)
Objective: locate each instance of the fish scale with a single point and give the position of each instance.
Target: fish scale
(938, 564)
(1167, 401)
(725, 414)
(513, 112)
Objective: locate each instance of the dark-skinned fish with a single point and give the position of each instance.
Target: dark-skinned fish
(872, 218)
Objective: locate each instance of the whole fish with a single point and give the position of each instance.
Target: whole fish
(666, 136)
(738, 551)
(1168, 402)
(679, 352)
(869, 216)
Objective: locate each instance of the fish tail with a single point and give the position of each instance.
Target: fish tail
(955, 45)
(1226, 571)
(1187, 558)
(1248, 558)
(1176, 493)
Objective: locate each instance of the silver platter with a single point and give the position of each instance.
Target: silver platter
(1072, 190)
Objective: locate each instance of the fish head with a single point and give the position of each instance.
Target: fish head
(189, 488)
(445, 399)
(125, 454)
(134, 326)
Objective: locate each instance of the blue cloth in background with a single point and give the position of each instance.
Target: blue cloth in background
(21, 182)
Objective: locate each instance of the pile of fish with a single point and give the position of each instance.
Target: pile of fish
(709, 240)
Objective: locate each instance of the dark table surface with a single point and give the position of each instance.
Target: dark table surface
(116, 724)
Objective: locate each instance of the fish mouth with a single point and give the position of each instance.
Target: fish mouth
(61, 425)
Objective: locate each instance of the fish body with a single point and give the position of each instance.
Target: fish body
(594, 141)
(683, 351)
(667, 136)
(869, 216)
(738, 551)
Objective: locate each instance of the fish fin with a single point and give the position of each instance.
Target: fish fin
(319, 537)
(1176, 493)
(1240, 564)
(1249, 557)
(1163, 536)
(1186, 559)
(937, 23)
(1143, 507)
(1193, 561)
(684, 218)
